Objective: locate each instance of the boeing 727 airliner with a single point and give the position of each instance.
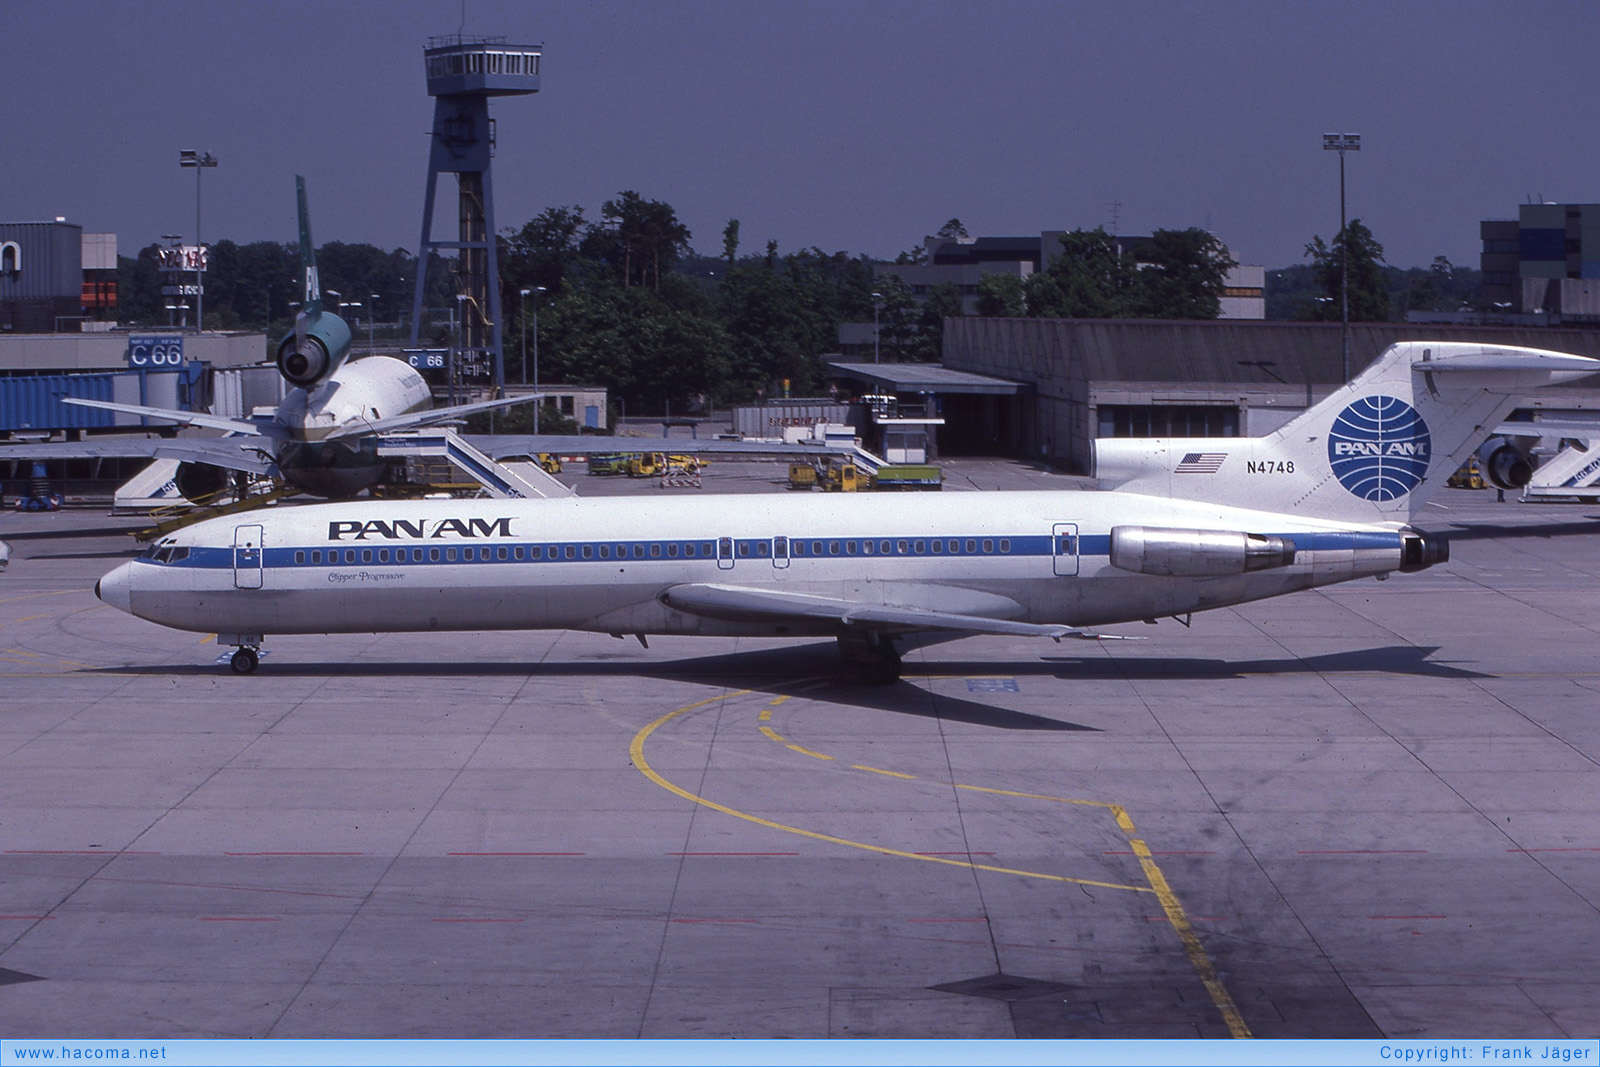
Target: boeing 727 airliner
(1189, 525)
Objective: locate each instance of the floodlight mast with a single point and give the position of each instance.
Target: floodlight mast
(190, 157)
(1342, 143)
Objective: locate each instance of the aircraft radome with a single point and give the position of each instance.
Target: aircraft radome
(1186, 525)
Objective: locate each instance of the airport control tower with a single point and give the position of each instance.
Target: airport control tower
(463, 73)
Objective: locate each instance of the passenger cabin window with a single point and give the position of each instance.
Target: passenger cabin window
(672, 550)
(299, 557)
(450, 555)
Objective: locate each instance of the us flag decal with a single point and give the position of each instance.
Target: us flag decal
(1201, 463)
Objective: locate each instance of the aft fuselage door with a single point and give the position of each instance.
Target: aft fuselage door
(1064, 549)
(247, 553)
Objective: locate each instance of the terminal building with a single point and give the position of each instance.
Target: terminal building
(962, 262)
(1545, 263)
(1087, 378)
(54, 278)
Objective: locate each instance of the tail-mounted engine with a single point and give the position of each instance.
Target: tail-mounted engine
(1419, 551)
(1505, 463)
(316, 347)
(1196, 553)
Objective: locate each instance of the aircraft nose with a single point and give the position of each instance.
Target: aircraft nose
(113, 588)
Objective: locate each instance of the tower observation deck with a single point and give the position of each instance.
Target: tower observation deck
(463, 73)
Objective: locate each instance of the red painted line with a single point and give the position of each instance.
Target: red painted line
(238, 918)
(515, 853)
(1406, 917)
(1362, 852)
(477, 920)
(947, 920)
(1174, 852)
(294, 853)
(74, 852)
(733, 853)
(224, 885)
(1526, 850)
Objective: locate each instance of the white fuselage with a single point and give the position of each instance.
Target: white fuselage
(605, 564)
(358, 391)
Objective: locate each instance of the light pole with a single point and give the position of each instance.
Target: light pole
(537, 404)
(372, 313)
(524, 322)
(189, 157)
(351, 304)
(875, 298)
(455, 362)
(1342, 143)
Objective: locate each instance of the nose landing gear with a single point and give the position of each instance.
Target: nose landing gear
(247, 656)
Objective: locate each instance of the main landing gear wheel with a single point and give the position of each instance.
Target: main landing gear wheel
(245, 661)
(871, 658)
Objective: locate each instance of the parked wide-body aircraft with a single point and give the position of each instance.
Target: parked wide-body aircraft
(322, 439)
(1189, 525)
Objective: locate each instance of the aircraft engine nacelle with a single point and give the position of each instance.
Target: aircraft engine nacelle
(200, 482)
(306, 359)
(1196, 553)
(1505, 464)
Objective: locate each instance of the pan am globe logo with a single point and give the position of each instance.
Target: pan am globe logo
(1379, 448)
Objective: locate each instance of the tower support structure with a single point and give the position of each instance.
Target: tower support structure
(463, 74)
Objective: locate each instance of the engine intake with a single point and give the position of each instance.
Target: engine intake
(1504, 464)
(1196, 553)
(305, 359)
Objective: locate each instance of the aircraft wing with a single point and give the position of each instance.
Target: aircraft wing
(740, 604)
(182, 418)
(427, 418)
(232, 453)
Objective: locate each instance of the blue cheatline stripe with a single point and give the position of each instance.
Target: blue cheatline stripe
(743, 550)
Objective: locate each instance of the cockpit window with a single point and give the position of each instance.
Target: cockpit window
(162, 553)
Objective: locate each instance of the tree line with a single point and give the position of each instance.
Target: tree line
(622, 299)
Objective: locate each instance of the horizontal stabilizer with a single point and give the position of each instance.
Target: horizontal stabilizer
(1586, 431)
(182, 418)
(1521, 362)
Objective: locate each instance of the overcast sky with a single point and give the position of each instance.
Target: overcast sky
(854, 126)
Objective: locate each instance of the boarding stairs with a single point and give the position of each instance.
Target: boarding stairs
(1572, 472)
(432, 456)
